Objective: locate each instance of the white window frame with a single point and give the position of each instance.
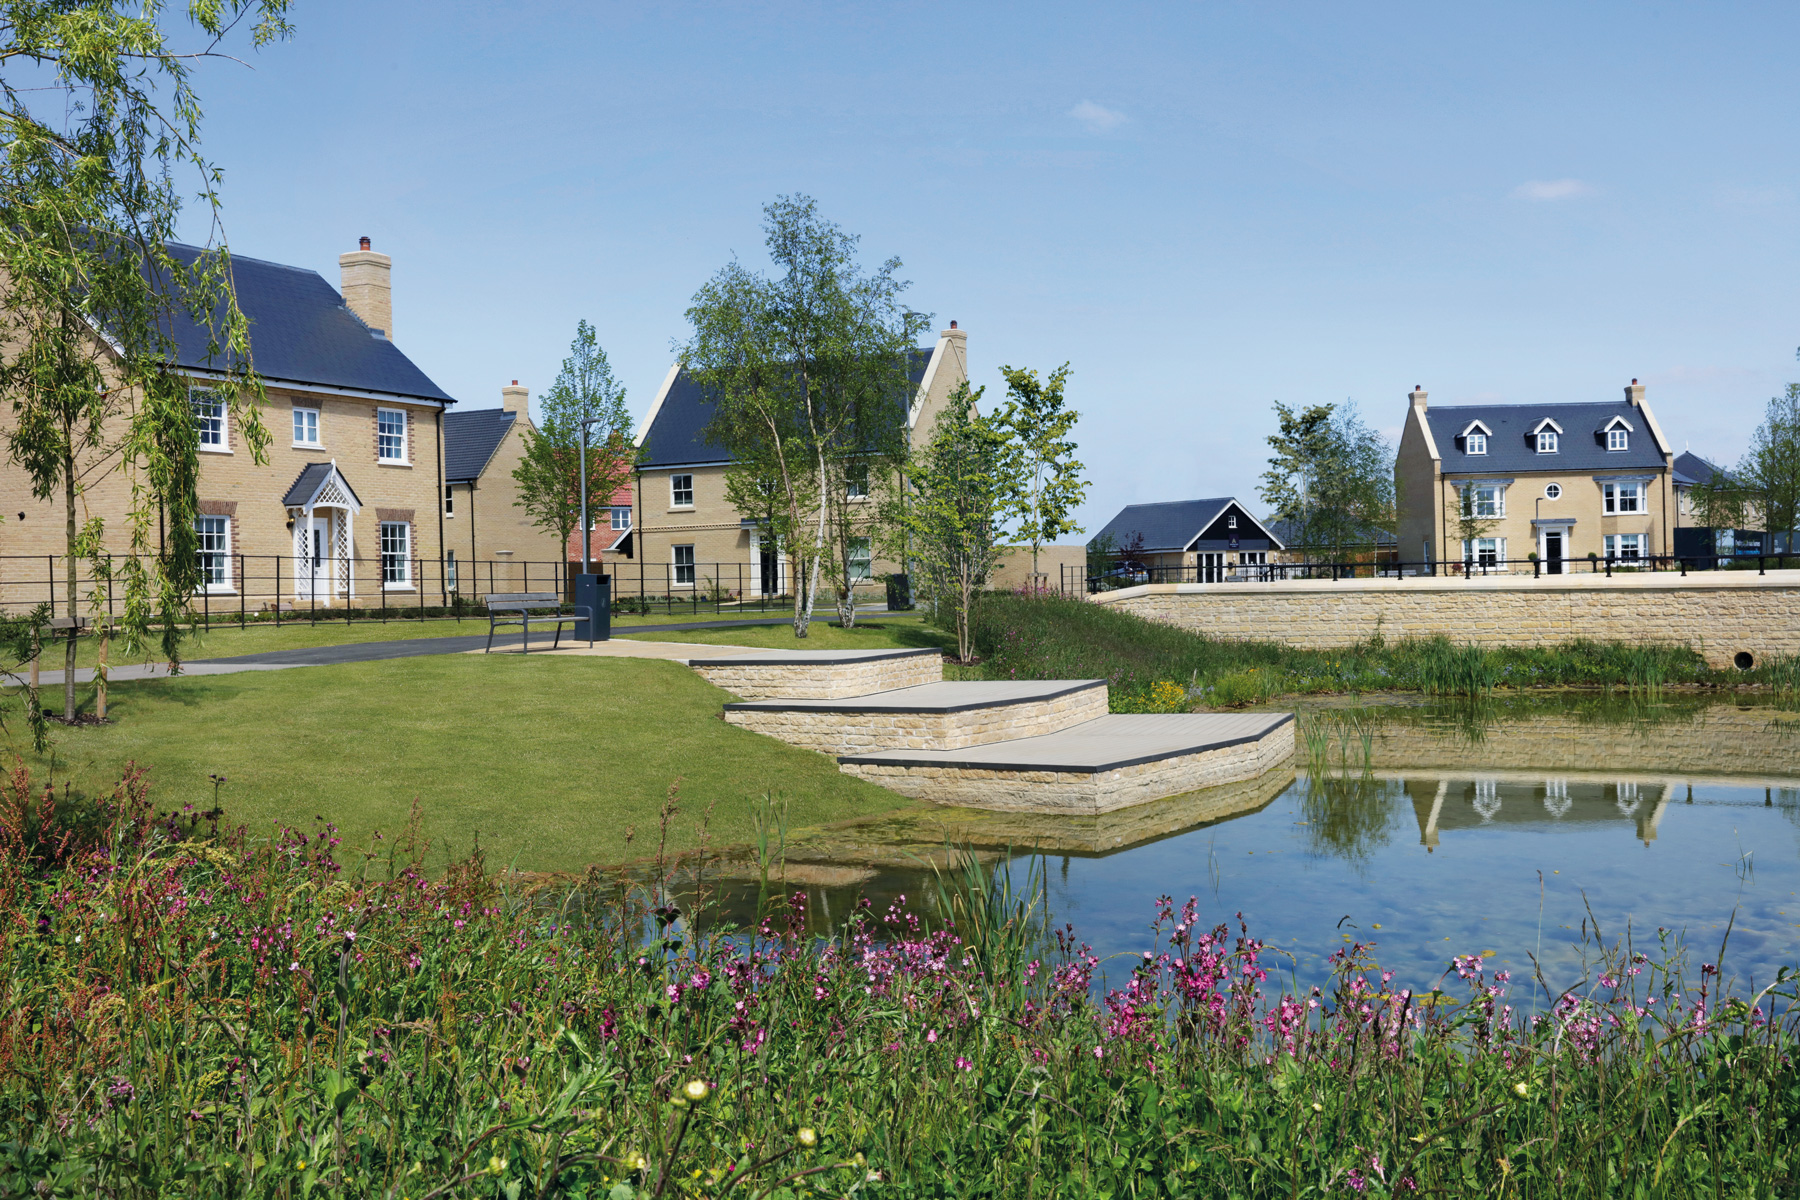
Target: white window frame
(621, 510)
(856, 481)
(1614, 496)
(862, 559)
(1473, 503)
(199, 397)
(1486, 554)
(381, 437)
(1616, 547)
(676, 567)
(1547, 441)
(222, 555)
(1231, 521)
(451, 579)
(318, 436)
(1476, 443)
(1618, 439)
(396, 565)
(678, 489)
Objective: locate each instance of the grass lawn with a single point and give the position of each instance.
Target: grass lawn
(550, 760)
(897, 630)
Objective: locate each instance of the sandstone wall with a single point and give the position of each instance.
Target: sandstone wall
(860, 731)
(1719, 613)
(752, 680)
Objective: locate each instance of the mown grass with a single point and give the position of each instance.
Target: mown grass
(183, 1013)
(550, 760)
(1052, 638)
(887, 632)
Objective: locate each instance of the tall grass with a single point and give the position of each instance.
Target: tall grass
(185, 1012)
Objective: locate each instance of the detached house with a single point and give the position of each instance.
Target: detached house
(1216, 539)
(347, 509)
(1493, 484)
(483, 523)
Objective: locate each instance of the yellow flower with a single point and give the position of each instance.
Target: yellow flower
(496, 1164)
(636, 1161)
(301, 1165)
(809, 1138)
(696, 1090)
(1317, 1107)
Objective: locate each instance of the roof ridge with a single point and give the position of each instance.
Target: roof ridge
(245, 258)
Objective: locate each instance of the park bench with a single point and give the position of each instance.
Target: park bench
(523, 608)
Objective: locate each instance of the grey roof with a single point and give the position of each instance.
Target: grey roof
(677, 437)
(1510, 448)
(1371, 536)
(1690, 469)
(470, 439)
(1170, 525)
(306, 485)
(301, 333)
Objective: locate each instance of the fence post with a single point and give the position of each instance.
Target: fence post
(51, 559)
(278, 591)
(1759, 564)
(243, 589)
(1536, 569)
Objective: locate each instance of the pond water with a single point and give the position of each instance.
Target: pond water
(1519, 830)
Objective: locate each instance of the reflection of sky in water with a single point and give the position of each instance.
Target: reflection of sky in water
(1357, 849)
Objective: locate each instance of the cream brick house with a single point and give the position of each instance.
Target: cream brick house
(483, 523)
(687, 536)
(347, 508)
(1561, 481)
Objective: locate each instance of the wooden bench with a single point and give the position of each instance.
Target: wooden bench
(522, 608)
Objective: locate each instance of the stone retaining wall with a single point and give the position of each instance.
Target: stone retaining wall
(749, 680)
(1719, 613)
(858, 731)
(1087, 794)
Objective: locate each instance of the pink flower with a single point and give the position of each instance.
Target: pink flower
(963, 1064)
(1099, 1053)
(932, 1036)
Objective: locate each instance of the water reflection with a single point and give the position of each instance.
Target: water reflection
(1450, 806)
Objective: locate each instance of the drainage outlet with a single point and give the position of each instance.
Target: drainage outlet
(1744, 660)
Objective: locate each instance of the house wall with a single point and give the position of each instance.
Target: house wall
(1416, 487)
(1717, 613)
(491, 530)
(232, 484)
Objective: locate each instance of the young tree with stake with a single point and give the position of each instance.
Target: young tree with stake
(1043, 479)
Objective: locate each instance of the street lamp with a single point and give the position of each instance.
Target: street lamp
(584, 492)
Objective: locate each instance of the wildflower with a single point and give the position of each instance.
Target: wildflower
(1520, 1090)
(496, 1164)
(697, 1090)
(963, 1064)
(636, 1161)
(301, 1165)
(1357, 1182)
(1317, 1107)
(808, 1137)
(1099, 1053)
(932, 1036)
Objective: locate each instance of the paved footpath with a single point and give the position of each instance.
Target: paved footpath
(317, 656)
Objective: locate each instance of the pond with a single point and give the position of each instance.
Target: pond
(1530, 829)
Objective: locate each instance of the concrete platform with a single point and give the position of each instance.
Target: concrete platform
(1099, 766)
(819, 674)
(930, 716)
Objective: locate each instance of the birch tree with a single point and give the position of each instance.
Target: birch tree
(1043, 480)
(806, 371)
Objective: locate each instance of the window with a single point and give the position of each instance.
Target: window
(1477, 443)
(450, 570)
(390, 435)
(859, 558)
(209, 417)
(856, 481)
(1623, 497)
(681, 492)
(214, 535)
(684, 566)
(1546, 442)
(396, 552)
(449, 499)
(1625, 547)
(1618, 439)
(621, 517)
(306, 427)
(1484, 500)
(1553, 491)
(1486, 554)
(1231, 521)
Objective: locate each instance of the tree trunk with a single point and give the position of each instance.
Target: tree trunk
(69, 585)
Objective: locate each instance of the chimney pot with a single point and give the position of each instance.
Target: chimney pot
(1417, 396)
(362, 243)
(953, 324)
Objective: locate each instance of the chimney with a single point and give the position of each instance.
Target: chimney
(516, 399)
(366, 288)
(1417, 396)
(1634, 395)
(961, 335)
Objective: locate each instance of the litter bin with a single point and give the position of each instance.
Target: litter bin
(899, 592)
(594, 593)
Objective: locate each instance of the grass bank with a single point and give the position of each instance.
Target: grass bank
(549, 759)
(887, 632)
(1157, 667)
(185, 1014)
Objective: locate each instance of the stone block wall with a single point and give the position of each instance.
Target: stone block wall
(821, 680)
(1718, 613)
(859, 731)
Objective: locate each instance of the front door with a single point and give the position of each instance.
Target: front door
(1553, 551)
(313, 573)
(1212, 567)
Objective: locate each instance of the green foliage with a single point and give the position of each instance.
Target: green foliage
(191, 1013)
(950, 512)
(1042, 479)
(93, 140)
(807, 373)
(1331, 477)
(1764, 490)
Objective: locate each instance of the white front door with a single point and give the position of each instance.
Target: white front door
(312, 573)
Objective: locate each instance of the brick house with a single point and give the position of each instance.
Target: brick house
(687, 536)
(347, 508)
(1561, 481)
(483, 523)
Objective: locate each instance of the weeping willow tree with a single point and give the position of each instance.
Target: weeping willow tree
(99, 135)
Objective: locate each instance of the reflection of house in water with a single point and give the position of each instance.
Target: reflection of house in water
(1452, 805)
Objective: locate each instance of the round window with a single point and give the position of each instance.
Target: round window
(1554, 491)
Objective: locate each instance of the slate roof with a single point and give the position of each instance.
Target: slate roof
(1286, 532)
(1580, 448)
(311, 476)
(1691, 469)
(470, 439)
(676, 437)
(302, 333)
(1168, 526)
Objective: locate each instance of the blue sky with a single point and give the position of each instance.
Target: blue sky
(1204, 208)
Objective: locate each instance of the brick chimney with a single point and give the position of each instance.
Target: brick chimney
(367, 290)
(1634, 394)
(516, 399)
(1417, 396)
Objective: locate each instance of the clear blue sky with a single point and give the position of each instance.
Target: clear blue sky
(1204, 208)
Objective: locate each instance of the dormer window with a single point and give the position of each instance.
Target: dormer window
(1477, 443)
(1474, 438)
(1546, 434)
(1618, 434)
(1546, 442)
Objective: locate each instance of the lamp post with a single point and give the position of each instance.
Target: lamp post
(584, 492)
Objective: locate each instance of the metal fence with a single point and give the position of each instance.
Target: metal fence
(1076, 579)
(246, 588)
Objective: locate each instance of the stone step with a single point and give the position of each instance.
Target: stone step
(933, 716)
(1099, 766)
(820, 674)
